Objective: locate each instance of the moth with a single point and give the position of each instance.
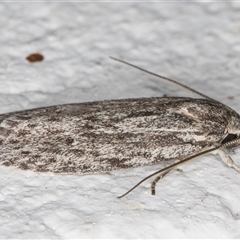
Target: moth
(103, 136)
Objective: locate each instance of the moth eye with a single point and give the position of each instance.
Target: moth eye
(229, 138)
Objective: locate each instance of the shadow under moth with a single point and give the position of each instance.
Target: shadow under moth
(103, 136)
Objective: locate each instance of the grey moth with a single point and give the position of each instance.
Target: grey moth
(103, 136)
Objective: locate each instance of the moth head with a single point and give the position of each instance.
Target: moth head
(232, 137)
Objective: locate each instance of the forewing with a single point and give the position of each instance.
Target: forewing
(109, 135)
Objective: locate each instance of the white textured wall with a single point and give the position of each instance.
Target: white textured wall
(195, 43)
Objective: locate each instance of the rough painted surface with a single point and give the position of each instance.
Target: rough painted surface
(195, 43)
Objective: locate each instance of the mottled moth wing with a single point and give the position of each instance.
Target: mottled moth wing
(110, 135)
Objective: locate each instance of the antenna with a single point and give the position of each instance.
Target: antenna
(165, 78)
(169, 168)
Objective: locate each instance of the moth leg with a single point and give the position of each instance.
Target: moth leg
(153, 185)
(228, 160)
